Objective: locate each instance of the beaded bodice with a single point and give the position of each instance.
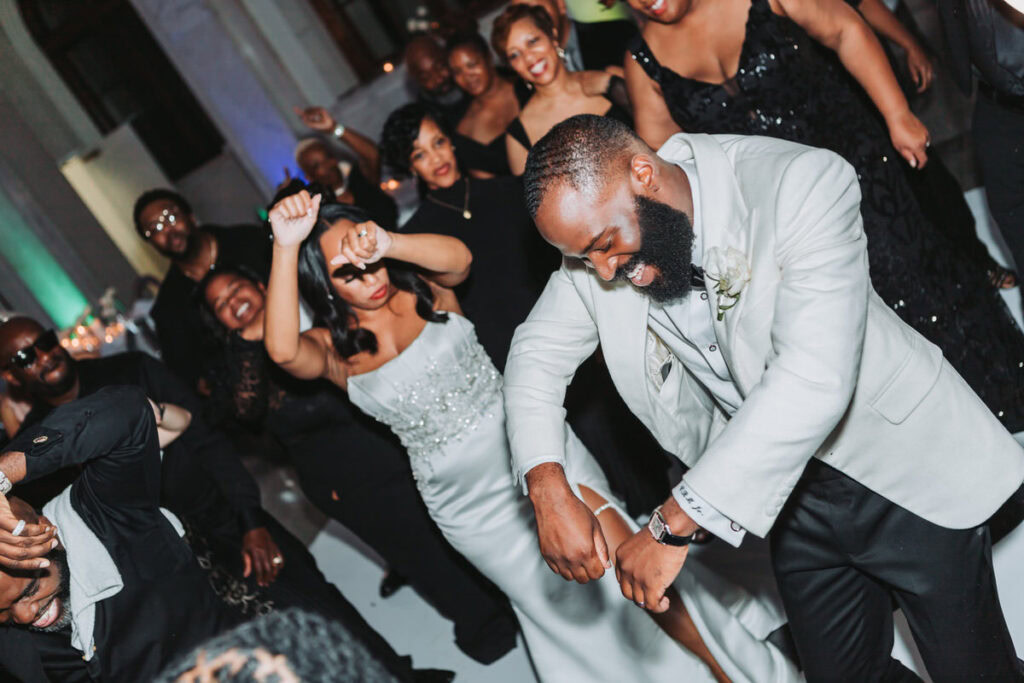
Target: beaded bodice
(436, 390)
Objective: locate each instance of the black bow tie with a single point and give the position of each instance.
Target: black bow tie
(696, 276)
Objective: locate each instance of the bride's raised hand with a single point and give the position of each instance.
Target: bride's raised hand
(293, 218)
(362, 244)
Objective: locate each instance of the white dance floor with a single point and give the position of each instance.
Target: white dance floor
(413, 627)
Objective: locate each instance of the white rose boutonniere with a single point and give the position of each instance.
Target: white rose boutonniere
(729, 270)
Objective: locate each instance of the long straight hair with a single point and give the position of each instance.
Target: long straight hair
(333, 312)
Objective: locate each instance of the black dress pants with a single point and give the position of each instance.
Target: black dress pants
(843, 555)
(998, 131)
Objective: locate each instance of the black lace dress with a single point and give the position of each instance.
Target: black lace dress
(785, 88)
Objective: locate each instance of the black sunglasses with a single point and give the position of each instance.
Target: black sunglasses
(24, 358)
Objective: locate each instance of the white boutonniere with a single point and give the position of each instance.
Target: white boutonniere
(729, 270)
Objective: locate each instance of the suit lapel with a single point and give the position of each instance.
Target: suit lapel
(624, 311)
(725, 222)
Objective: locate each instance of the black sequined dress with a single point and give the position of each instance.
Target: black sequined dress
(785, 88)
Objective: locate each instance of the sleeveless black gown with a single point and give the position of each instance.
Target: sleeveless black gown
(786, 88)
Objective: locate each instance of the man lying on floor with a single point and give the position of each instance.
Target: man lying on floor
(121, 593)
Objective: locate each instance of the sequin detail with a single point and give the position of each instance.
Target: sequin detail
(449, 398)
(924, 256)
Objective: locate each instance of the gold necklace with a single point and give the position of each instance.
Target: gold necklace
(466, 213)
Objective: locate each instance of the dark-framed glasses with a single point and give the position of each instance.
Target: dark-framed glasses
(24, 358)
(167, 217)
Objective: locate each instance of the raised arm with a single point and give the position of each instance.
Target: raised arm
(839, 27)
(320, 120)
(445, 260)
(302, 355)
(651, 118)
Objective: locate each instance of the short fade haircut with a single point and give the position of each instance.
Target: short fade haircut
(577, 152)
(150, 196)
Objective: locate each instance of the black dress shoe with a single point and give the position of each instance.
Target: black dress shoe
(391, 582)
(433, 676)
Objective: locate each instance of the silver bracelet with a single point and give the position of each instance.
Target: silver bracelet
(5, 484)
(339, 130)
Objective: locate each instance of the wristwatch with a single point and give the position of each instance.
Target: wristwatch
(662, 534)
(338, 131)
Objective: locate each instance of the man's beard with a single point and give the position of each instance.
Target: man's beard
(59, 559)
(192, 244)
(667, 244)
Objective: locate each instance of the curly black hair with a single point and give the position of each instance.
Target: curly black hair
(150, 196)
(401, 130)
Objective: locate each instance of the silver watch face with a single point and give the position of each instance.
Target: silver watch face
(657, 526)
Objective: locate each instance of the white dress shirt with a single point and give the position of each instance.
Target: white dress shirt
(686, 328)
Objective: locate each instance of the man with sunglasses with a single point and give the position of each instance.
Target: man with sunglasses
(165, 219)
(255, 562)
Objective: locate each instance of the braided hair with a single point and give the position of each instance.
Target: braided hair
(577, 151)
(333, 312)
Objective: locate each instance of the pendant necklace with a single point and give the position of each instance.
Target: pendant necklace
(466, 213)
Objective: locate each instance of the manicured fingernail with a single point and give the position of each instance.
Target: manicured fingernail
(53, 543)
(43, 564)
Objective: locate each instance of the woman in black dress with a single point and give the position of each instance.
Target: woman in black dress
(480, 134)
(524, 36)
(351, 468)
(353, 183)
(750, 67)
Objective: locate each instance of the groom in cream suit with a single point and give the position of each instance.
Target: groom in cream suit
(726, 281)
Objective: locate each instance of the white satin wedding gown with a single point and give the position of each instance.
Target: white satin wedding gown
(442, 397)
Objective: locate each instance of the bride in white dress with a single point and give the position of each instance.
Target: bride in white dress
(394, 338)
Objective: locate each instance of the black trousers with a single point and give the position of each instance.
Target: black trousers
(843, 556)
(999, 146)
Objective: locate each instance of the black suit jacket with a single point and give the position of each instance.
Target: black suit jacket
(203, 479)
(166, 605)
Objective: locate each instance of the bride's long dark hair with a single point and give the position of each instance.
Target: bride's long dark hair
(333, 312)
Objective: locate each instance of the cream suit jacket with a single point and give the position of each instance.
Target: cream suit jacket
(824, 367)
